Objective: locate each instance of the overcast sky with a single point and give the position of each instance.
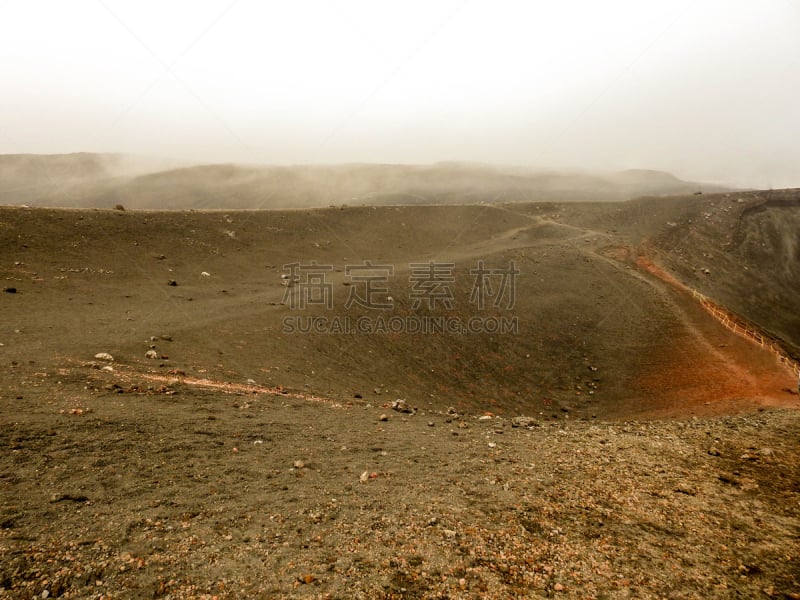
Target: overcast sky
(709, 90)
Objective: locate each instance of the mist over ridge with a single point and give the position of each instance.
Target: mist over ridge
(105, 180)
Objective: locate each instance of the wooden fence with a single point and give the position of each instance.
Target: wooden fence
(736, 325)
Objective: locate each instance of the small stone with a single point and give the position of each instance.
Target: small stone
(151, 354)
(683, 488)
(714, 451)
(364, 477)
(172, 282)
(485, 418)
(251, 382)
(306, 579)
(558, 587)
(402, 406)
(383, 417)
(10, 290)
(104, 356)
(299, 464)
(523, 422)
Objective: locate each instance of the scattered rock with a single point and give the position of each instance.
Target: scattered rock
(713, 451)
(172, 282)
(299, 464)
(205, 274)
(683, 488)
(104, 356)
(402, 406)
(10, 290)
(68, 498)
(383, 417)
(523, 422)
(151, 354)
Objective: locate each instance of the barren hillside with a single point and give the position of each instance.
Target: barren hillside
(216, 452)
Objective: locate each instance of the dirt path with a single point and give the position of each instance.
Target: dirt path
(703, 366)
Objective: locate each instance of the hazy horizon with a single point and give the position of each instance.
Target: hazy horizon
(704, 90)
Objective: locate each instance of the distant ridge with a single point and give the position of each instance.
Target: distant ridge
(103, 180)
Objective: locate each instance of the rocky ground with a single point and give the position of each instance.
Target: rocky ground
(115, 486)
(211, 455)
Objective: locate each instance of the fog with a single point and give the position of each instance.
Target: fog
(706, 90)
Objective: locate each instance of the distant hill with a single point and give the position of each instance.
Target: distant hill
(104, 180)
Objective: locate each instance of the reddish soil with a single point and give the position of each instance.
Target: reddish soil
(709, 369)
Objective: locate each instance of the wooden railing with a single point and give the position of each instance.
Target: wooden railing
(736, 325)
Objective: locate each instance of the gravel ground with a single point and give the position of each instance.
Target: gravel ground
(112, 489)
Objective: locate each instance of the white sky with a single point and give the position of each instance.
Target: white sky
(707, 89)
